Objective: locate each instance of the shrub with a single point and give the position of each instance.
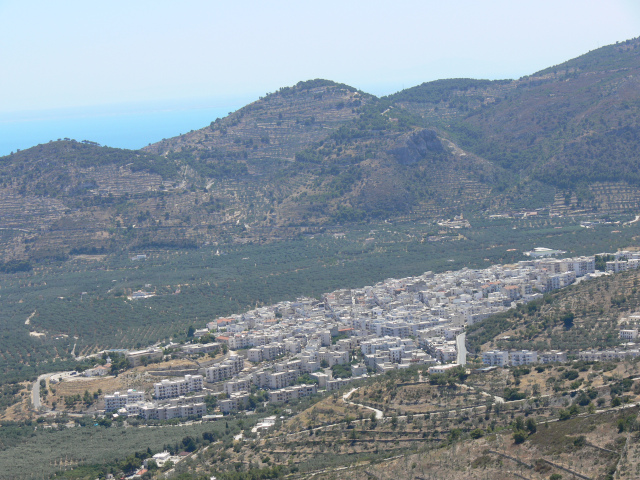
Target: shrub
(571, 374)
(519, 436)
(531, 426)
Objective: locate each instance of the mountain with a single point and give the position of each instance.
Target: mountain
(322, 153)
(572, 127)
(273, 128)
(575, 123)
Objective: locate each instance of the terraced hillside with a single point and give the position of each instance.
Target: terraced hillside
(273, 128)
(322, 153)
(571, 124)
(583, 316)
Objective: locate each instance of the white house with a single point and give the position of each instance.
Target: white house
(628, 335)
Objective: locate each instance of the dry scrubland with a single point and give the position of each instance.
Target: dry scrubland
(453, 430)
(590, 446)
(598, 307)
(140, 378)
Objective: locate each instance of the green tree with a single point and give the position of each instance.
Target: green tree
(567, 319)
(518, 424)
(519, 436)
(189, 444)
(531, 425)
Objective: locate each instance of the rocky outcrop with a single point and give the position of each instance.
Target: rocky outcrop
(417, 146)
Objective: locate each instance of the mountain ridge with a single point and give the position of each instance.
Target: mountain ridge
(321, 153)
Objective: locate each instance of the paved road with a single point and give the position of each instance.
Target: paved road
(345, 398)
(35, 389)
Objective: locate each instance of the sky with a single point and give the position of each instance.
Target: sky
(127, 55)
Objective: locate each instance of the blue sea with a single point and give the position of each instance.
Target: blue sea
(130, 126)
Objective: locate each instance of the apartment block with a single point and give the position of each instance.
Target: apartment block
(119, 400)
(553, 356)
(291, 393)
(496, 357)
(167, 412)
(226, 369)
(175, 388)
(236, 401)
(239, 385)
(523, 357)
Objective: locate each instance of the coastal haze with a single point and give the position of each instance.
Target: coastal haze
(124, 126)
(89, 60)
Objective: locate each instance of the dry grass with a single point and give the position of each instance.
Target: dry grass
(137, 378)
(21, 410)
(329, 410)
(474, 459)
(418, 398)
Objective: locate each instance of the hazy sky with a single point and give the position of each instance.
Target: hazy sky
(80, 53)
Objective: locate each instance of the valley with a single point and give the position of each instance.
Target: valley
(440, 283)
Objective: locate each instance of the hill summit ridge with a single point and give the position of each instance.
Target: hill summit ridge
(324, 153)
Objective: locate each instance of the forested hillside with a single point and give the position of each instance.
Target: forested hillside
(571, 124)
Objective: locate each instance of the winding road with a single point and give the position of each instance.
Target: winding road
(35, 389)
(345, 399)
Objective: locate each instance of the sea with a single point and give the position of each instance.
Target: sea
(131, 126)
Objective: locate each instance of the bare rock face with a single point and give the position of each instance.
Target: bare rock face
(417, 147)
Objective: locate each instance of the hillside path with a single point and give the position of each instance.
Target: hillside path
(345, 398)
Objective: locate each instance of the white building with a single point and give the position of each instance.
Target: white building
(628, 335)
(119, 400)
(235, 402)
(197, 348)
(292, 393)
(226, 369)
(358, 370)
(617, 266)
(175, 388)
(98, 371)
(582, 265)
(167, 412)
(441, 368)
(265, 352)
(496, 357)
(553, 356)
(239, 385)
(136, 358)
(239, 340)
(523, 357)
